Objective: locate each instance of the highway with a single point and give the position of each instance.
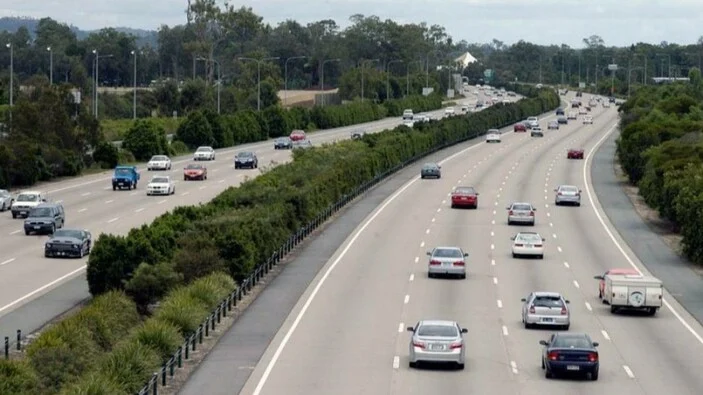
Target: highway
(90, 203)
(346, 335)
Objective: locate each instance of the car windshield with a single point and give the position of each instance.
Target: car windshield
(4, 193)
(521, 207)
(437, 331)
(193, 166)
(27, 198)
(244, 155)
(572, 342)
(429, 166)
(123, 172)
(493, 131)
(203, 149)
(528, 238)
(465, 190)
(553, 123)
(532, 119)
(569, 188)
(76, 234)
(548, 301)
(447, 253)
(159, 180)
(40, 212)
(159, 158)
(282, 140)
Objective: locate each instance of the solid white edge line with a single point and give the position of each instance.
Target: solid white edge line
(321, 282)
(38, 290)
(6, 262)
(593, 199)
(505, 330)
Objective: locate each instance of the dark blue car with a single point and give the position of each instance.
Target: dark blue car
(573, 353)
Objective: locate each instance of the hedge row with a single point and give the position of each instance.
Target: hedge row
(661, 150)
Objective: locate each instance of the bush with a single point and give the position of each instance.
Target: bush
(95, 384)
(150, 283)
(106, 155)
(145, 139)
(129, 364)
(158, 335)
(17, 378)
(182, 310)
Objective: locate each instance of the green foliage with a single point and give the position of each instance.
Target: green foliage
(129, 364)
(95, 384)
(195, 131)
(18, 378)
(145, 139)
(106, 155)
(151, 282)
(158, 335)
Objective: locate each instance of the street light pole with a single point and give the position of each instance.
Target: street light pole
(388, 76)
(407, 76)
(322, 79)
(540, 69)
(363, 63)
(134, 89)
(219, 80)
(285, 77)
(51, 65)
(97, 64)
(258, 85)
(12, 72)
(580, 71)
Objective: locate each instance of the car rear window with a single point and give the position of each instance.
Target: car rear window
(159, 180)
(429, 166)
(522, 207)
(529, 237)
(437, 330)
(447, 253)
(548, 301)
(569, 189)
(465, 191)
(572, 342)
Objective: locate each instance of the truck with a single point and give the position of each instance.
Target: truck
(632, 292)
(125, 177)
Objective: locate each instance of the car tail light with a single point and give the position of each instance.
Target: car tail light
(532, 309)
(559, 193)
(419, 344)
(553, 356)
(459, 263)
(519, 245)
(454, 346)
(434, 262)
(532, 213)
(510, 212)
(593, 357)
(660, 296)
(563, 310)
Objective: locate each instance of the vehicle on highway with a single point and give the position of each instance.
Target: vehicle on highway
(536, 131)
(546, 309)
(421, 118)
(480, 104)
(573, 353)
(161, 185)
(528, 244)
(436, 341)
(159, 162)
(521, 213)
(588, 120)
(583, 111)
(588, 108)
(465, 197)
(632, 292)
(246, 159)
(45, 219)
(493, 136)
(407, 114)
(409, 123)
(283, 143)
(511, 94)
(449, 111)
(601, 283)
(464, 108)
(302, 144)
(560, 111)
(72, 243)
(567, 194)
(357, 134)
(506, 101)
(553, 125)
(297, 135)
(447, 261)
(575, 104)
(125, 177)
(431, 170)
(611, 99)
(25, 202)
(532, 122)
(563, 121)
(606, 104)
(520, 127)
(204, 153)
(592, 103)
(194, 171)
(6, 200)
(572, 115)
(579, 94)
(574, 153)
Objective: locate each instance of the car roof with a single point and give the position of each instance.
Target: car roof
(30, 192)
(622, 270)
(160, 176)
(438, 322)
(548, 294)
(48, 204)
(447, 248)
(567, 186)
(514, 203)
(572, 335)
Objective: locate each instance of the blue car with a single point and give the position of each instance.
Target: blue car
(573, 353)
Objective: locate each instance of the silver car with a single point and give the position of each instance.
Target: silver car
(437, 341)
(546, 309)
(447, 261)
(567, 194)
(6, 200)
(521, 213)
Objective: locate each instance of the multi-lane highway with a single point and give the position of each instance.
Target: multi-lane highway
(346, 335)
(91, 204)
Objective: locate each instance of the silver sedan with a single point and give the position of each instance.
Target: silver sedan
(448, 261)
(521, 213)
(546, 309)
(567, 194)
(437, 341)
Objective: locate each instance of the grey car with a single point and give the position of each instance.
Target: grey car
(6, 200)
(447, 261)
(283, 143)
(437, 341)
(431, 170)
(546, 309)
(536, 131)
(69, 243)
(563, 121)
(553, 125)
(567, 194)
(302, 144)
(521, 213)
(45, 219)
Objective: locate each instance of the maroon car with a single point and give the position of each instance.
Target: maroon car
(194, 171)
(574, 153)
(297, 135)
(520, 127)
(465, 197)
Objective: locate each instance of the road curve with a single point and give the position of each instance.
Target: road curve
(345, 335)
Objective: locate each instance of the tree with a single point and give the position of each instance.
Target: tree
(145, 139)
(195, 131)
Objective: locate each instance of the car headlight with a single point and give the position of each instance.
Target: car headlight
(75, 246)
(48, 245)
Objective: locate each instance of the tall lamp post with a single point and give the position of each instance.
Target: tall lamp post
(258, 65)
(134, 88)
(427, 66)
(407, 75)
(97, 66)
(285, 76)
(388, 76)
(51, 65)
(322, 77)
(12, 73)
(363, 63)
(219, 79)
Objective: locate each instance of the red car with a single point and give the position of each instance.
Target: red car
(601, 284)
(520, 127)
(194, 171)
(574, 153)
(465, 197)
(297, 135)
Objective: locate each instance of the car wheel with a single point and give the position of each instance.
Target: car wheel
(27, 233)
(528, 326)
(430, 275)
(53, 229)
(510, 222)
(412, 364)
(541, 257)
(613, 309)
(514, 255)
(462, 276)
(542, 363)
(185, 178)
(453, 205)
(594, 375)
(578, 204)
(460, 366)
(3, 207)
(547, 373)
(566, 327)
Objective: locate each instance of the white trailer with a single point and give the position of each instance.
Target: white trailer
(632, 292)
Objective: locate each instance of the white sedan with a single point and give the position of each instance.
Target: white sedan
(449, 111)
(161, 185)
(493, 136)
(159, 162)
(204, 153)
(528, 244)
(588, 120)
(409, 123)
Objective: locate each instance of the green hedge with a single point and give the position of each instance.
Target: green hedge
(660, 148)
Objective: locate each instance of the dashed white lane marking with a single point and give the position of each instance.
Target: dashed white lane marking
(185, 193)
(605, 334)
(513, 366)
(499, 303)
(412, 277)
(492, 233)
(433, 219)
(493, 262)
(59, 201)
(86, 194)
(545, 191)
(221, 181)
(439, 209)
(407, 299)
(505, 330)
(422, 244)
(554, 235)
(113, 220)
(15, 232)
(500, 189)
(590, 308)
(3, 263)
(546, 197)
(417, 259)
(546, 206)
(628, 371)
(215, 170)
(203, 187)
(551, 225)
(109, 201)
(133, 193)
(401, 327)
(566, 264)
(549, 215)
(558, 248)
(495, 280)
(162, 201)
(444, 202)
(496, 203)
(493, 247)
(498, 195)
(139, 210)
(503, 183)
(494, 212)
(427, 231)
(82, 210)
(396, 362)
(576, 284)
(493, 222)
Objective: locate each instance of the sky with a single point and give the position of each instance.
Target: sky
(618, 22)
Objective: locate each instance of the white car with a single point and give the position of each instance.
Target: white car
(506, 101)
(408, 114)
(464, 108)
(583, 111)
(528, 244)
(449, 111)
(161, 185)
(572, 115)
(25, 202)
(493, 136)
(606, 104)
(204, 153)
(159, 162)
(409, 123)
(588, 120)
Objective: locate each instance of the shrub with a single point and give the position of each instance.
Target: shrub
(17, 378)
(178, 148)
(151, 282)
(158, 335)
(195, 131)
(182, 310)
(129, 364)
(145, 139)
(95, 384)
(197, 256)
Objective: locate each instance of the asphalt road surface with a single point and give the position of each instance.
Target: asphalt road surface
(90, 203)
(346, 333)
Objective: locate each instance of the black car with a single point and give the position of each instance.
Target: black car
(72, 243)
(246, 159)
(357, 134)
(570, 353)
(579, 94)
(283, 143)
(611, 99)
(562, 120)
(432, 170)
(560, 111)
